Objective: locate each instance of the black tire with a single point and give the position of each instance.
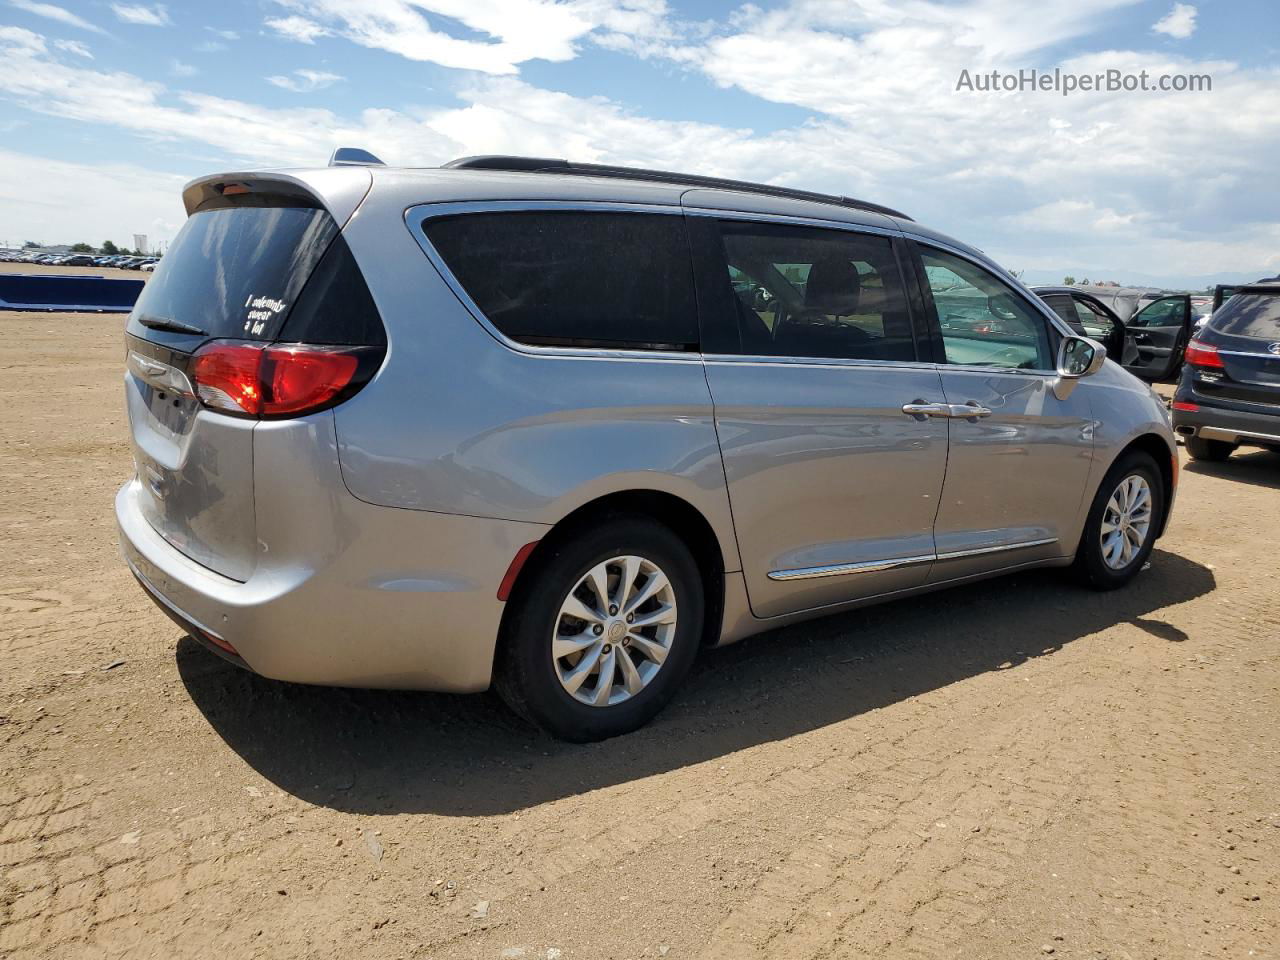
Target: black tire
(525, 674)
(1213, 450)
(1090, 564)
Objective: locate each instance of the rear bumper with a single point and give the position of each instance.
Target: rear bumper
(399, 599)
(1232, 426)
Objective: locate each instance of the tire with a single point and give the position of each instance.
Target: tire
(1092, 563)
(529, 678)
(1213, 450)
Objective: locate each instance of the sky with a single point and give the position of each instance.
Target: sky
(107, 108)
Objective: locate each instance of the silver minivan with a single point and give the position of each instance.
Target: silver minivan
(554, 427)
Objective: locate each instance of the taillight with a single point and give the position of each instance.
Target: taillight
(274, 380)
(1186, 407)
(1203, 355)
(305, 378)
(226, 377)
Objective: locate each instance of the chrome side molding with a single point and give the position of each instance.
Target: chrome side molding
(841, 569)
(874, 566)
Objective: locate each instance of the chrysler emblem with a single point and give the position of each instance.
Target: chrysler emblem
(1274, 349)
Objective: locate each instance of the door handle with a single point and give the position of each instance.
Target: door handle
(953, 411)
(922, 409)
(969, 411)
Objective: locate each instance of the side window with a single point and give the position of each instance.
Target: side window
(577, 279)
(1166, 312)
(805, 292)
(983, 321)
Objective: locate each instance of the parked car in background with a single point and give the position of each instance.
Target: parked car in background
(1157, 335)
(1221, 294)
(533, 490)
(78, 260)
(1149, 344)
(1229, 393)
(1088, 316)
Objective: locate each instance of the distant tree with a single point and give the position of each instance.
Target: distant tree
(1017, 274)
(29, 244)
(1084, 282)
(1069, 281)
(109, 248)
(81, 248)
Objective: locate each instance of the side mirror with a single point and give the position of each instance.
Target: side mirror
(1077, 357)
(1080, 357)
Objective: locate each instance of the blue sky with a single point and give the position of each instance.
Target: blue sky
(108, 107)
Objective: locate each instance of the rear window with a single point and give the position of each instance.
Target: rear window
(621, 280)
(259, 273)
(236, 272)
(1250, 315)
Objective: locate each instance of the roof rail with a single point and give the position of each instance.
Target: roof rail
(545, 165)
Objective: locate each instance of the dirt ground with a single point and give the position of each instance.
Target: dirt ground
(1008, 771)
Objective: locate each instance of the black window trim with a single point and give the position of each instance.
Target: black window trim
(711, 269)
(417, 216)
(1055, 324)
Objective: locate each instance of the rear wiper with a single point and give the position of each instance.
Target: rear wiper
(165, 323)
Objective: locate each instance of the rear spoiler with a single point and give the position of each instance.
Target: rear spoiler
(339, 190)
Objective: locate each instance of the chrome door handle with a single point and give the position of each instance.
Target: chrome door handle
(922, 409)
(969, 411)
(954, 411)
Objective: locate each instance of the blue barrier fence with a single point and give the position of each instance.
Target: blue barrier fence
(70, 292)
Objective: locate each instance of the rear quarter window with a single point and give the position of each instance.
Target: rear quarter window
(577, 279)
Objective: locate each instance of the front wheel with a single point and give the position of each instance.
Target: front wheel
(602, 631)
(1120, 531)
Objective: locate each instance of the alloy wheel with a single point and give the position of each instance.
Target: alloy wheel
(614, 631)
(1126, 521)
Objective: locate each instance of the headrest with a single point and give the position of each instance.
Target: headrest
(833, 287)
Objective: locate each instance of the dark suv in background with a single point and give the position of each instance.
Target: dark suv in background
(1229, 394)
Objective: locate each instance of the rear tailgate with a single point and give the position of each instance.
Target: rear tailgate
(1246, 335)
(234, 271)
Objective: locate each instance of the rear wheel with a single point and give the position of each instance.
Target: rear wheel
(1120, 531)
(1214, 450)
(602, 631)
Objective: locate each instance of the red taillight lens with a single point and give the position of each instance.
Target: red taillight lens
(303, 378)
(1186, 407)
(259, 380)
(226, 377)
(1203, 355)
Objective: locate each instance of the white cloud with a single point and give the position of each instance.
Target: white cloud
(1120, 180)
(74, 46)
(211, 46)
(179, 69)
(141, 14)
(297, 28)
(517, 30)
(1180, 22)
(223, 34)
(53, 12)
(305, 81)
(81, 201)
